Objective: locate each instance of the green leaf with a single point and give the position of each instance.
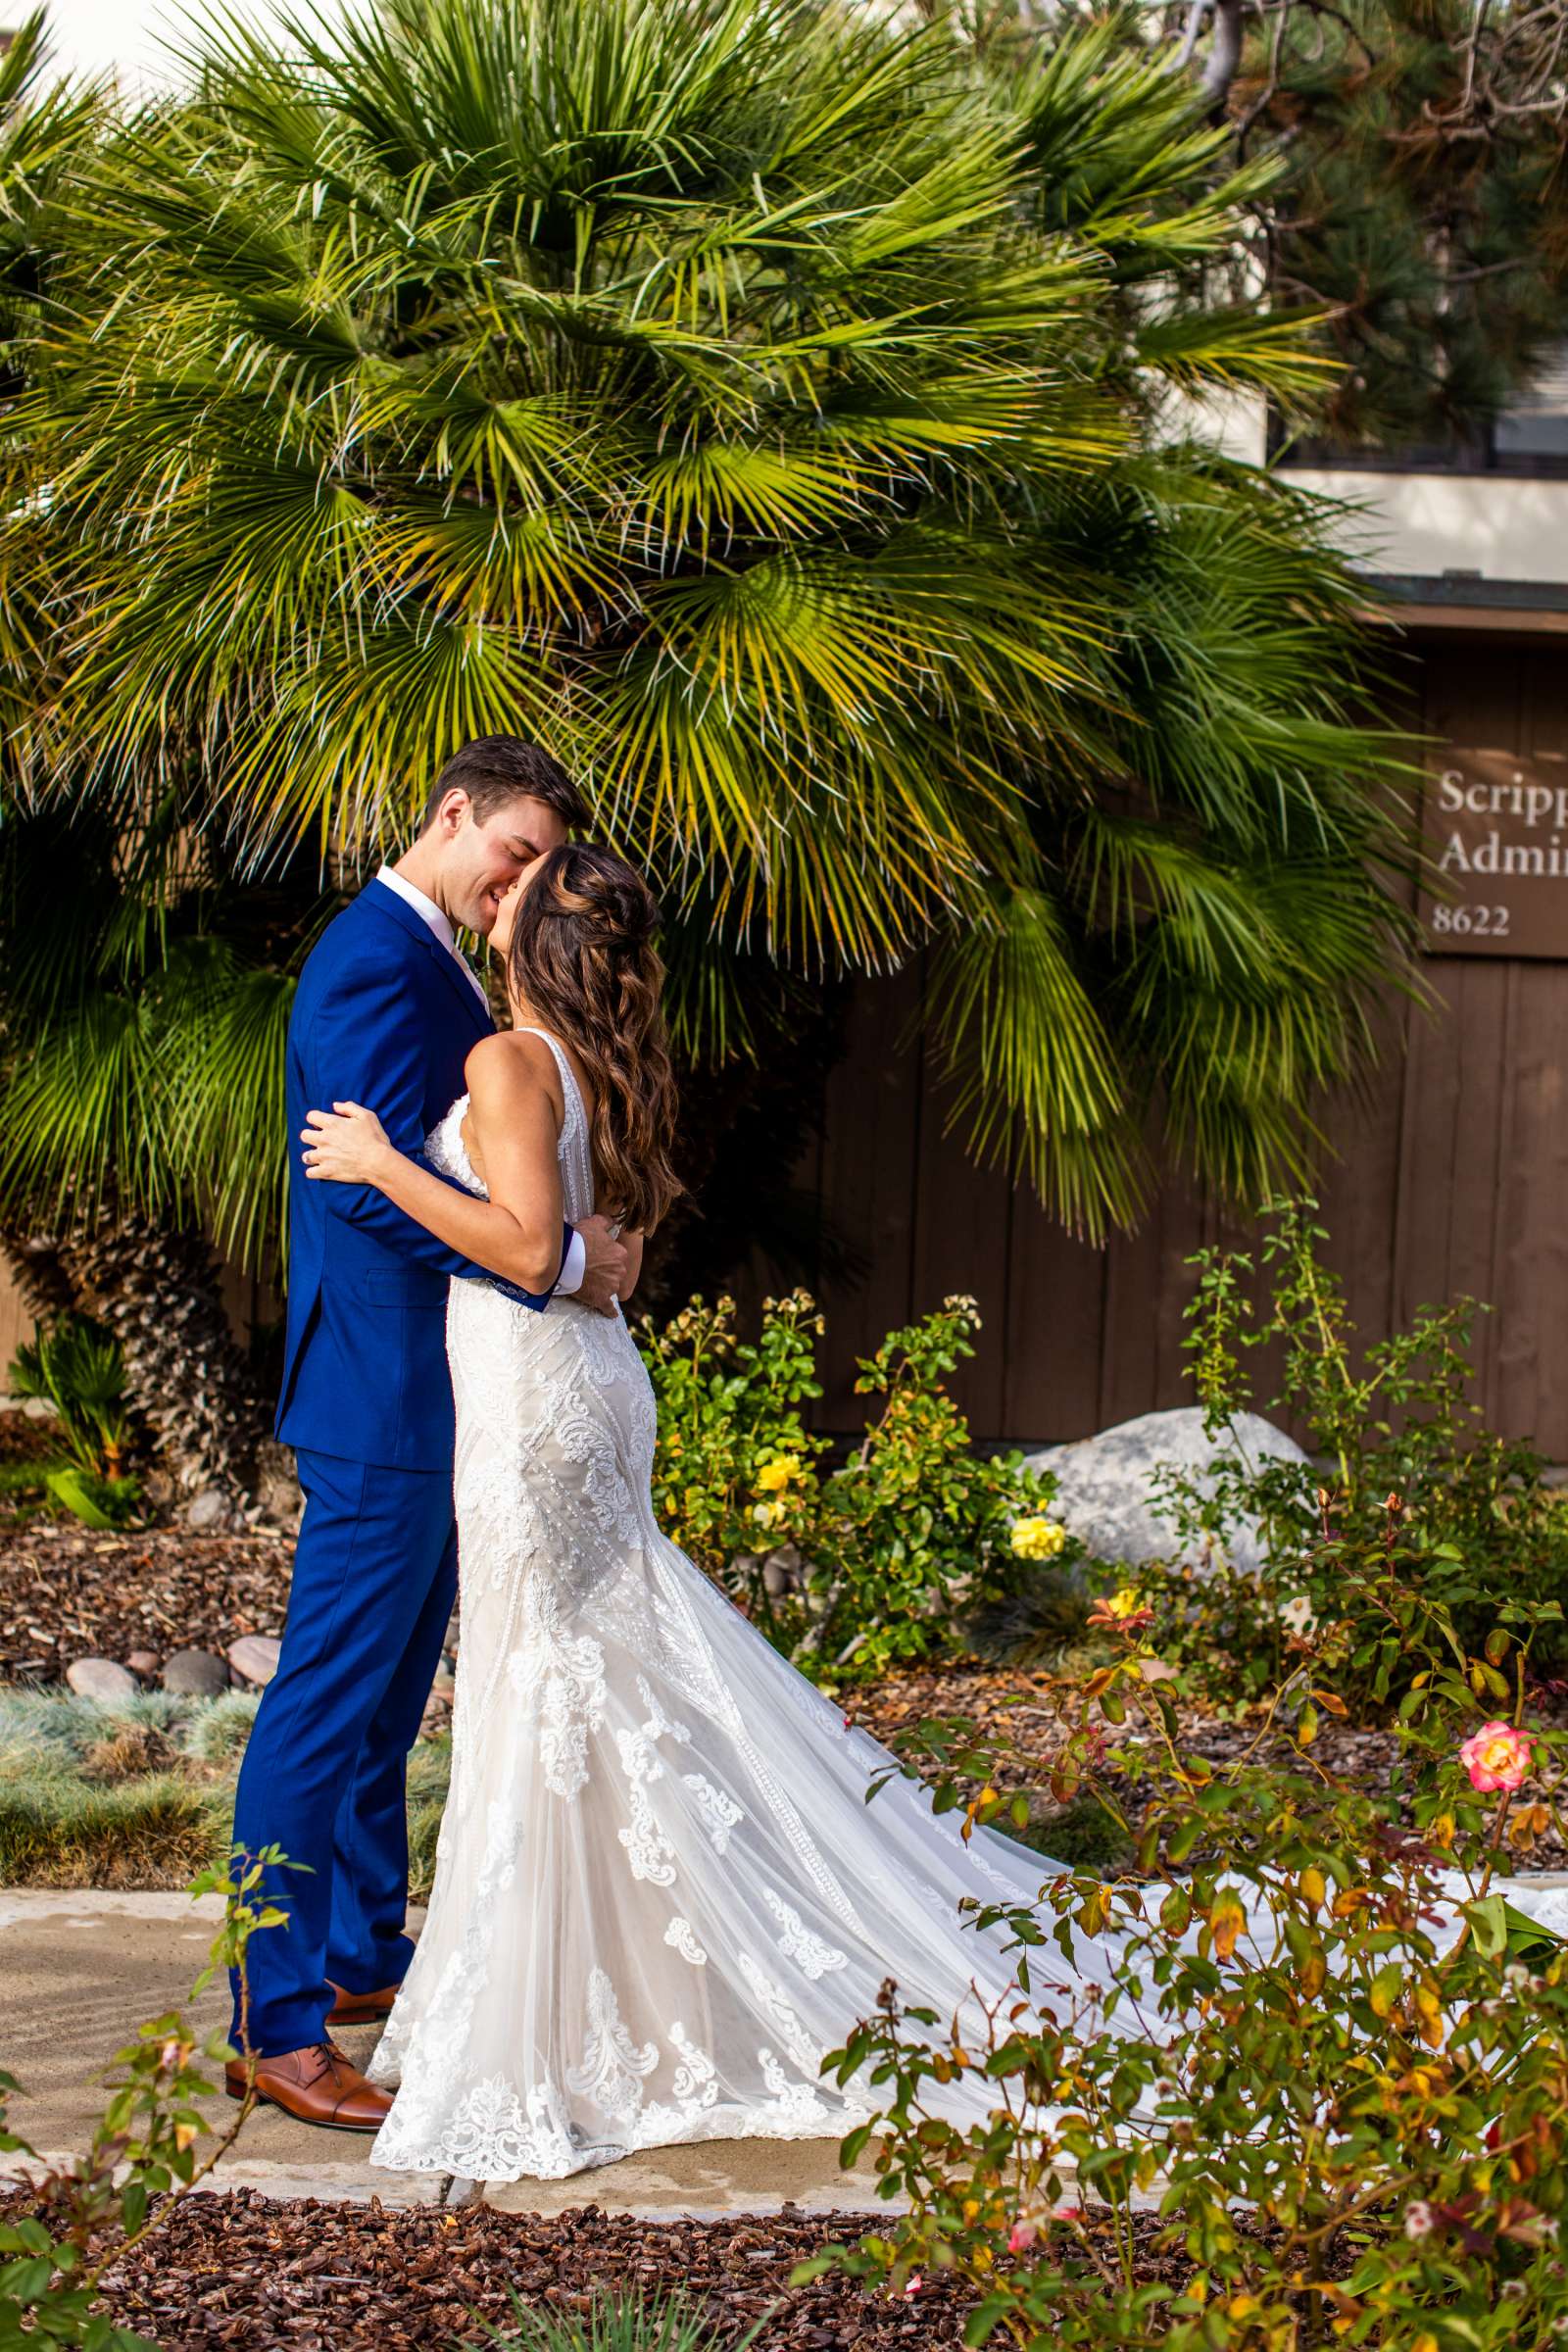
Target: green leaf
(1488, 1917)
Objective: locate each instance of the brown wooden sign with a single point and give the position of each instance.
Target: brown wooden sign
(1496, 835)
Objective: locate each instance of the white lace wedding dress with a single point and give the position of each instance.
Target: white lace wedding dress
(660, 1893)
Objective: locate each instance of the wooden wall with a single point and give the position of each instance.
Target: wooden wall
(1451, 1176)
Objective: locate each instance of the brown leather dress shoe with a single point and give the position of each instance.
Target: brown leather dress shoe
(361, 2008)
(317, 2085)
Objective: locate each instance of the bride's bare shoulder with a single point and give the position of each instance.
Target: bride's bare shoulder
(511, 1064)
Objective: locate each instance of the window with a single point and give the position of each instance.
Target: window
(1530, 437)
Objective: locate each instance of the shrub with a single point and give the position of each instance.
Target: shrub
(889, 1553)
(79, 1367)
(90, 2213)
(1311, 2030)
(1479, 1528)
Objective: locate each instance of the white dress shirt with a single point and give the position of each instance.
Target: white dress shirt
(429, 913)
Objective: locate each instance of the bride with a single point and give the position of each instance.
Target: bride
(660, 1895)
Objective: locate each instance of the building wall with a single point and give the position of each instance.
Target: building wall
(1449, 1176)
(1499, 526)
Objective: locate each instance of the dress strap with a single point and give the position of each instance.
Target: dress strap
(575, 1129)
(567, 1078)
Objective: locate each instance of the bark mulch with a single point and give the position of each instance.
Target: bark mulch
(266, 2272)
(24, 1440)
(69, 1593)
(250, 2270)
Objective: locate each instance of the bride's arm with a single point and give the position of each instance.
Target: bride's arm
(517, 1232)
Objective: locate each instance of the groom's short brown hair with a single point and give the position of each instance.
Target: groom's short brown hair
(493, 770)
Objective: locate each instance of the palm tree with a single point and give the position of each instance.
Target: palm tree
(143, 1006)
(768, 406)
(120, 1011)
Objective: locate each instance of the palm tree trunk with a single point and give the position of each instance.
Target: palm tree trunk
(157, 1289)
(33, 1252)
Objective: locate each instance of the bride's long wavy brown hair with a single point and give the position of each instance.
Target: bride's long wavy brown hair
(582, 956)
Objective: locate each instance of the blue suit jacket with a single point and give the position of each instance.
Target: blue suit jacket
(384, 1017)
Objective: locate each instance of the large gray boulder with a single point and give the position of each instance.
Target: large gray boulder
(1106, 1491)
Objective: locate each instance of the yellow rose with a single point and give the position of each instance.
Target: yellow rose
(777, 1474)
(1038, 1537)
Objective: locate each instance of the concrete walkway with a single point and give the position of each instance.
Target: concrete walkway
(80, 1972)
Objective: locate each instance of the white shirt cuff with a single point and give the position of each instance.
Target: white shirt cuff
(572, 1272)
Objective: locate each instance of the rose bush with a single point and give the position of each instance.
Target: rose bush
(889, 1552)
(1481, 1530)
(1313, 2085)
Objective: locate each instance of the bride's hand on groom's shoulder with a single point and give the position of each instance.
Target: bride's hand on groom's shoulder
(346, 1145)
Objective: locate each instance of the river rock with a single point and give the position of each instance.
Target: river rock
(280, 1502)
(254, 1657)
(783, 1571)
(41, 1408)
(195, 1674)
(1105, 1494)
(144, 1662)
(208, 1511)
(102, 1679)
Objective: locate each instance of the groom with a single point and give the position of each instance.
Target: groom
(386, 1015)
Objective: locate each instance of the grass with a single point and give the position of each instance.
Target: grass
(29, 1476)
(617, 2320)
(158, 1830)
(141, 1794)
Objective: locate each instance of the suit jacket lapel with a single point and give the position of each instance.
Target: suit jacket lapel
(382, 900)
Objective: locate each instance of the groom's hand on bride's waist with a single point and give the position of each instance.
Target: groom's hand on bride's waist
(604, 1274)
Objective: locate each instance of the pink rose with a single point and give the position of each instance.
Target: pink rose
(911, 2285)
(1021, 2236)
(1496, 1756)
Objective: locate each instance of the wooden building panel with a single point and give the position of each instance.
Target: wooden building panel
(1528, 1336)
(961, 1235)
(1056, 1318)
(870, 1150)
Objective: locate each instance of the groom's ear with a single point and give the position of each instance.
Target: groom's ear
(445, 811)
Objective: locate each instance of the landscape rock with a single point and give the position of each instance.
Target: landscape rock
(208, 1511)
(41, 1408)
(195, 1674)
(102, 1679)
(282, 1502)
(254, 1657)
(1107, 1494)
(783, 1571)
(144, 1662)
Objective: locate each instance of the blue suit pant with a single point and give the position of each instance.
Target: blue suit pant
(376, 1575)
